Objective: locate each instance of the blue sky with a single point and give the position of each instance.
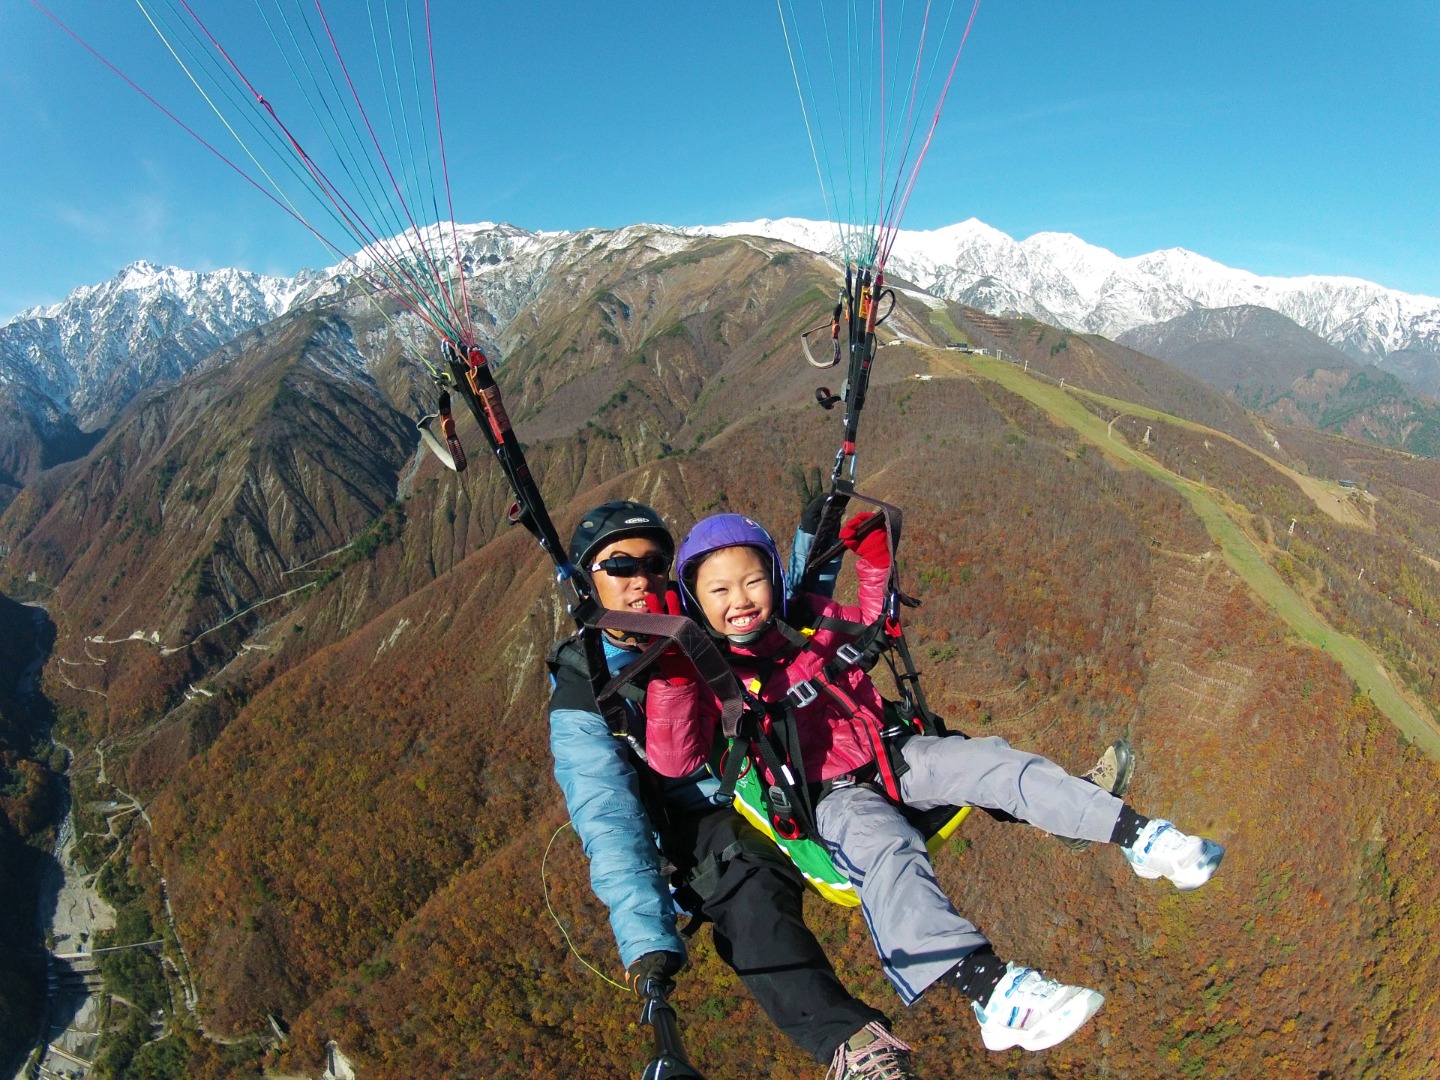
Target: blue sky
(1280, 137)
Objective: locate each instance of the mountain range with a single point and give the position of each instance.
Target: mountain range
(87, 356)
(314, 657)
(1276, 367)
(1061, 280)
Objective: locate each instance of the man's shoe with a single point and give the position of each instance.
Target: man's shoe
(872, 1053)
(1162, 850)
(1032, 1012)
(1111, 773)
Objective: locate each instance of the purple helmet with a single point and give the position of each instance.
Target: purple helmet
(710, 535)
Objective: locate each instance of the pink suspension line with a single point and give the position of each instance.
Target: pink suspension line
(413, 298)
(424, 250)
(449, 199)
(887, 225)
(324, 240)
(930, 134)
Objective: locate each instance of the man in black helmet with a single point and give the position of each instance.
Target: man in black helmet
(725, 869)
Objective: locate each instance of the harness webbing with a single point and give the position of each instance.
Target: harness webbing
(665, 632)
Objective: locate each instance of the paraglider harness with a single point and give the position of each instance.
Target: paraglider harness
(752, 728)
(770, 734)
(790, 799)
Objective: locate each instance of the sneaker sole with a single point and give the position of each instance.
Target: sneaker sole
(1058, 1028)
(1125, 769)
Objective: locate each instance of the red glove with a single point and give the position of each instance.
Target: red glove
(673, 665)
(668, 605)
(874, 546)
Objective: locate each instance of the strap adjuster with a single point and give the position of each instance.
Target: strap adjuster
(848, 654)
(802, 693)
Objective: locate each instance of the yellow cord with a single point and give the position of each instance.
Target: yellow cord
(544, 888)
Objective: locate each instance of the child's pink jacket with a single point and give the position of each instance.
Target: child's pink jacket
(680, 719)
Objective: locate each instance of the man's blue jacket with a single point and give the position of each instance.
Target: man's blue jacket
(597, 773)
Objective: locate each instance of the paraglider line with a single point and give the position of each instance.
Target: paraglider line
(545, 891)
(326, 186)
(445, 174)
(930, 134)
(429, 258)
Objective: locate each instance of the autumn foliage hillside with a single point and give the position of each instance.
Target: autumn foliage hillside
(351, 826)
(359, 851)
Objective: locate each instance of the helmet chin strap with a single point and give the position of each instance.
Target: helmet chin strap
(628, 640)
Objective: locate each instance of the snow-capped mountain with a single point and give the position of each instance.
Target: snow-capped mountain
(92, 352)
(1059, 278)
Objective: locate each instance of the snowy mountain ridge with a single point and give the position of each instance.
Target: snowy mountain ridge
(92, 352)
(1060, 278)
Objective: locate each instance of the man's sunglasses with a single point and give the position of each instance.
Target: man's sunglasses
(630, 565)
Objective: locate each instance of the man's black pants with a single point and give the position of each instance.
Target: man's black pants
(754, 900)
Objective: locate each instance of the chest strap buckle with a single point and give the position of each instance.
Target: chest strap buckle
(802, 693)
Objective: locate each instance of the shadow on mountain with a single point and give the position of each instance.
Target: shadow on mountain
(32, 801)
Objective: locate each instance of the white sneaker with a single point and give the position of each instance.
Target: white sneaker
(1164, 851)
(1032, 1012)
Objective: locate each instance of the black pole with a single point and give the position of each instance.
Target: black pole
(669, 1062)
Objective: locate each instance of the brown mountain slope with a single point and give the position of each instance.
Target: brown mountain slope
(350, 830)
(35, 434)
(1280, 369)
(1364, 560)
(198, 504)
(384, 889)
(1103, 367)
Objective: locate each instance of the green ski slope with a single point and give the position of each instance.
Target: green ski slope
(1240, 552)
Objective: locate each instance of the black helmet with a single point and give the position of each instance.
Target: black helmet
(613, 521)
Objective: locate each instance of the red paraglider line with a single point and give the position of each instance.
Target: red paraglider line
(348, 212)
(445, 172)
(187, 129)
(930, 134)
(245, 176)
(330, 245)
(345, 70)
(909, 118)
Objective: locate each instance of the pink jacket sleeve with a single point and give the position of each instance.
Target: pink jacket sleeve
(871, 588)
(680, 719)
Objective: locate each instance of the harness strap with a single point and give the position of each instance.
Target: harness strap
(879, 754)
(665, 631)
(791, 809)
(733, 767)
(597, 668)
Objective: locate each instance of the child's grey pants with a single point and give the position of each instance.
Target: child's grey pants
(917, 931)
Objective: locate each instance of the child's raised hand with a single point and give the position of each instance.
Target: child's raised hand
(869, 542)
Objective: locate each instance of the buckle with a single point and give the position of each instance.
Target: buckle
(803, 693)
(848, 654)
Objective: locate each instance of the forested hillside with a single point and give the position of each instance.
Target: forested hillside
(344, 759)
